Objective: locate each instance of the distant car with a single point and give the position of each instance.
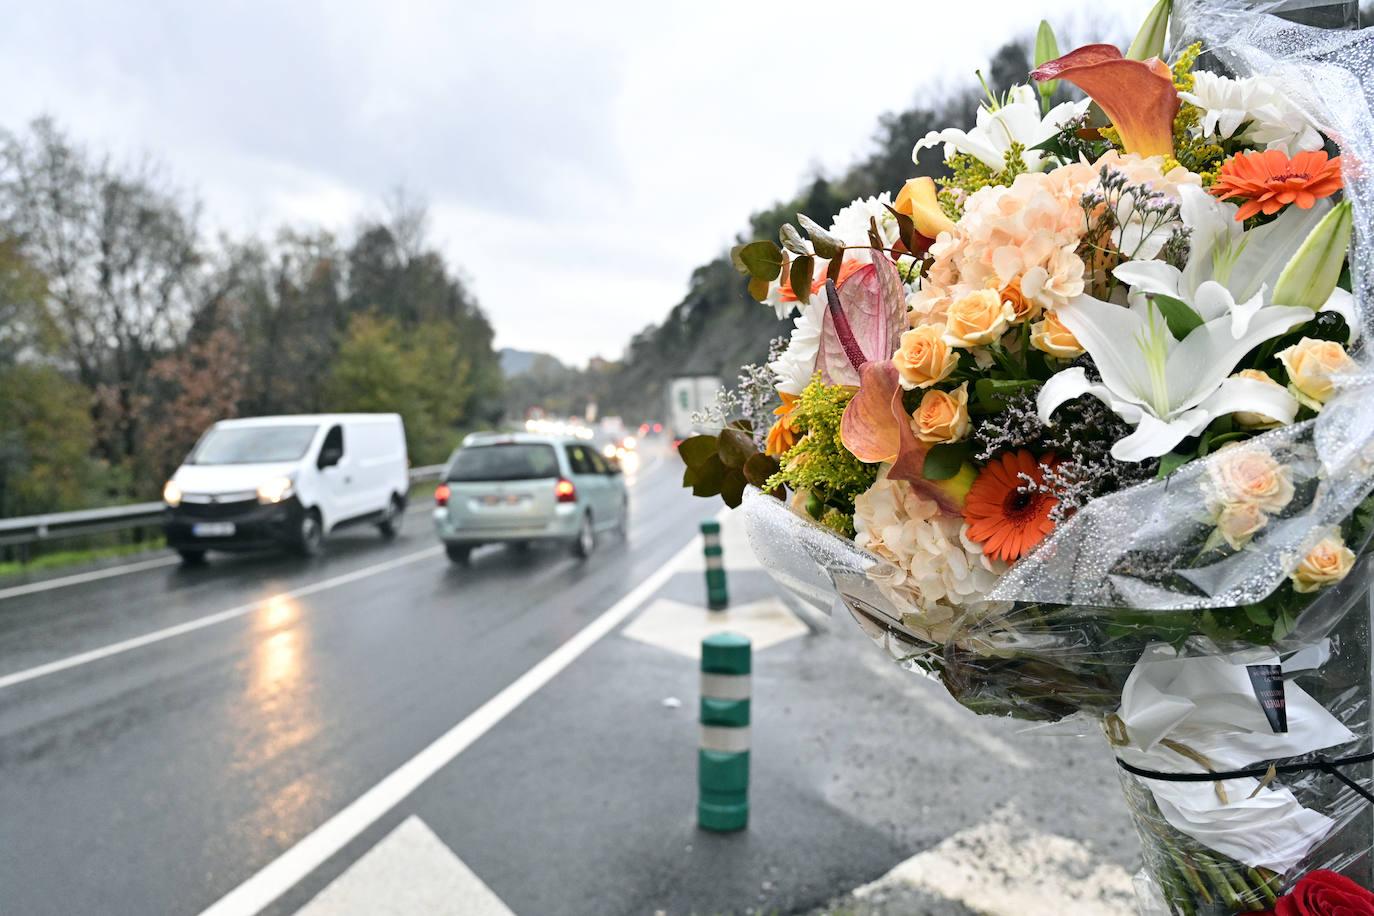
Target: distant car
(522, 487)
(287, 482)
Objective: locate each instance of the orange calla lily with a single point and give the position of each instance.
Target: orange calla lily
(1138, 95)
(875, 427)
(918, 200)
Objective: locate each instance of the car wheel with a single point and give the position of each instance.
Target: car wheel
(459, 553)
(390, 525)
(192, 557)
(310, 535)
(586, 538)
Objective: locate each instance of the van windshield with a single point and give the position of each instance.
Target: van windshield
(513, 461)
(252, 444)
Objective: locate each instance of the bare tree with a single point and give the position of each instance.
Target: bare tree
(120, 252)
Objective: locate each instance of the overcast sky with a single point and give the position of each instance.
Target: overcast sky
(579, 159)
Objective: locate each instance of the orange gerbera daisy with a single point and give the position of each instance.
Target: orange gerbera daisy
(1268, 181)
(783, 435)
(1005, 515)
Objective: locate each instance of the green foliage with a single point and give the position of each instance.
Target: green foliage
(1181, 317)
(418, 372)
(46, 437)
(819, 463)
(721, 465)
(969, 174)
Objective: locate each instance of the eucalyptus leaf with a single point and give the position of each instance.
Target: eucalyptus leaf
(760, 468)
(710, 475)
(732, 487)
(826, 245)
(735, 447)
(696, 449)
(802, 269)
(762, 259)
(791, 239)
(758, 289)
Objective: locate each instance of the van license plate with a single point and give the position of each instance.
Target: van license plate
(213, 529)
(510, 499)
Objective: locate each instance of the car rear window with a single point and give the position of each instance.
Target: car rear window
(513, 461)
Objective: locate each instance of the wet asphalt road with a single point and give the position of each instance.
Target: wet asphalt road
(155, 780)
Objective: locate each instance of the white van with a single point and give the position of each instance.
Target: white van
(287, 481)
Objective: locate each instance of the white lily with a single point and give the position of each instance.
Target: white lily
(996, 129)
(1231, 271)
(1168, 389)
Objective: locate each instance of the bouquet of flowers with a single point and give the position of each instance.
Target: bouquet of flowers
(1083, 429)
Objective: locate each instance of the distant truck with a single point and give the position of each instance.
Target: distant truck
(688, 395)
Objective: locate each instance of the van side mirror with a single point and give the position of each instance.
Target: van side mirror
(329, 457)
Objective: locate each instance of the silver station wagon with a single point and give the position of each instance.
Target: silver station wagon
(520, 487)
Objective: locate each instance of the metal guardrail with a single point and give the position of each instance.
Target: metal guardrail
(33, 529)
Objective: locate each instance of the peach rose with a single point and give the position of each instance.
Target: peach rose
(1240, 522)
(1311, 364)
(942, 416)
(977, 319)
(1246, 419)
(1328, 562)
(1050, 336)
(923, 357)
(1247, 474)
(1023, 309)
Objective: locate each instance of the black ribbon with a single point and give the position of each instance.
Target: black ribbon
(1322, 764)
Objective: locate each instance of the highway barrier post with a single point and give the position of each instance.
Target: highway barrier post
(723, 758)
(717, 598)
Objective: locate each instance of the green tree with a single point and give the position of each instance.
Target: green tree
(419, 372)
(46, 437)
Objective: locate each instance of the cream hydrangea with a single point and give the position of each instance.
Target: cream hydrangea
(1028, 234)
(940, 574)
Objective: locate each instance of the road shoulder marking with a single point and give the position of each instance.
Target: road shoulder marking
(292, 866)
(94, 575)
(409, 871)
(200, 623)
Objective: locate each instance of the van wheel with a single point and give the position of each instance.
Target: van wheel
(586, 538)
(390, 525)
(310, 534)
(192, 557)
(461, 554)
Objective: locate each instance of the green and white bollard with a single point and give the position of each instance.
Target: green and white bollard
(723, 760)
(717, 599)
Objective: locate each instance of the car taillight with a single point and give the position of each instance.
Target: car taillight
(441, 494)
(565, 492)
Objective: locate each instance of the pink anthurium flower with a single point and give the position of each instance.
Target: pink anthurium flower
(1138, 95)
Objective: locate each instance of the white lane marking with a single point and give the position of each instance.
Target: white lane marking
(94, 575)
(310, 853)
(1005, 867)
(410, 871)
(200, 623)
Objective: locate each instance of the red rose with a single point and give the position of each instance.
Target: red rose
(1325, 893)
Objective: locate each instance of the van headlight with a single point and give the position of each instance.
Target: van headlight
(274, 490)
(171, 494)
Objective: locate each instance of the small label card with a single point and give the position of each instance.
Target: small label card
(1267, 682)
